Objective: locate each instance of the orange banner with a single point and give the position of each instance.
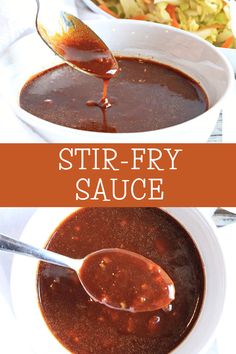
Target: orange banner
(117, 175)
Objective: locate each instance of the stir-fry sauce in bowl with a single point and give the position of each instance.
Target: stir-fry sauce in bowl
(65, 319)
(170, 86)
(85, 326)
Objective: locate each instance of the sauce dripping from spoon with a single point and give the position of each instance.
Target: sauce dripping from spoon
(103, 104)
(81, 48)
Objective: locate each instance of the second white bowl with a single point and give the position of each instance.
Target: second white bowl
(40, 228)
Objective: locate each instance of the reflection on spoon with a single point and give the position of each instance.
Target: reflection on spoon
(116, 278)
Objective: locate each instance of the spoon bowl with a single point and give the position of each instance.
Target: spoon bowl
(72, 40)
(126, 281)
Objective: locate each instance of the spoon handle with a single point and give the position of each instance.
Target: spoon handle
(8, 244)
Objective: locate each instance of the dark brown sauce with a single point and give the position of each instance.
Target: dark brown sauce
(144, 96)
(84, 326)
(126, 281)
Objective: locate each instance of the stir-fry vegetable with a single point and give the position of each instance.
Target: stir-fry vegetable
(209, 19)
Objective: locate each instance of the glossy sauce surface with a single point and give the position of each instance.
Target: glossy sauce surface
(84, 326)
(144, 96)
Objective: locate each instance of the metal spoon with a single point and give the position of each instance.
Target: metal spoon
(117, 278)
(74, 41)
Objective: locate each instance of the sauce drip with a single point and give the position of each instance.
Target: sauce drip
(103, 104)
(126, 281)
(81, 48)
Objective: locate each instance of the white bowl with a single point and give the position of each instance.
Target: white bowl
(40, 228)
(165, 44)
(230, 54)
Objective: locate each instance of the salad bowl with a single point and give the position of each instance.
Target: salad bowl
(221, 36)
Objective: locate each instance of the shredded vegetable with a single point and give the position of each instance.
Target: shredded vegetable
(209, 19)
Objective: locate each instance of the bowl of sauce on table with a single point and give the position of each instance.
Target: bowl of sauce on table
(84, 326)
(68, 320)
(169, 87)
(172, 96)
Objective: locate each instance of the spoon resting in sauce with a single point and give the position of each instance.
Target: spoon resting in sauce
(117, 278)
(126, 281)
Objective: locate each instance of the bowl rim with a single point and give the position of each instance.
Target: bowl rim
(200, 329)
(56, 128)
